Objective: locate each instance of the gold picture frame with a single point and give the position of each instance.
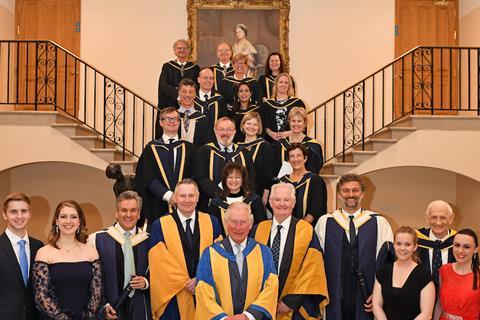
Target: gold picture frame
(213, 21)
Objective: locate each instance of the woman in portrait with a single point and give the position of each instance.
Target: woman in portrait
(67, 278)
(273, 68)
(242, 45)
(260, 150)
(242, 105)
(310, 189)
(459, 296)
(297, 119)
(404, 290)
(236, 189)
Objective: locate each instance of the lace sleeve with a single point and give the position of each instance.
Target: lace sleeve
(44, 293)
(95, 302)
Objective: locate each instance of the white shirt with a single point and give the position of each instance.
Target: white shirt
(283, 233)
(181, 63)
(182, 109)
(224, 65)
(183, 220)
(444, 252)
(203, 94)
(166, 197)
(14, 239)
(222, 147)
(355, 214)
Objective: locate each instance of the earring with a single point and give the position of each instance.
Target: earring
(78, 230)
(56, 228)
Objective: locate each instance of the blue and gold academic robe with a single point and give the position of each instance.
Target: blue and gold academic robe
(214, 109)
(425, 244)
(221, 291)
(314, 154)
(173, 263)
(301, 276)
(372, 249)
(109, 246)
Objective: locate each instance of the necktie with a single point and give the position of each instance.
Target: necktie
(276, 246)
(224, 70)
(351, 228)
(188, 233)
(128, 259)
(239, 258)
(182, 69)
(23, 261)
(186, 120)
(436, 261)
(170, 159)
(205, 105)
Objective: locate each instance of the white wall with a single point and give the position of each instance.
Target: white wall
(469, 21)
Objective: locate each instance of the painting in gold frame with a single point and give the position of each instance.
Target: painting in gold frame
(213, 21)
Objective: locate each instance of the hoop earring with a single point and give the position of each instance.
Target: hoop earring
(56, 228)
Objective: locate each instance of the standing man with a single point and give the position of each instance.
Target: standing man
(176, 242)
(224, 66)
(123, 251)
(163, 163)
(212, 157)
(17, 253)
(356, 242)
(236, 278)
(172, 73)
(297, 257)
(435, 244)
(209, 102)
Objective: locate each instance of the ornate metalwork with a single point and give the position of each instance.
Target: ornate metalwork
(46, 73)
(353, 117)
(422, 78)
(114, 111)
(282, 5)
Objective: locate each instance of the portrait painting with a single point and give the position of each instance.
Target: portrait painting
(254, 28)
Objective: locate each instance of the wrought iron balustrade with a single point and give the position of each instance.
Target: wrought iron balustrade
(425, 80)
(41, 75)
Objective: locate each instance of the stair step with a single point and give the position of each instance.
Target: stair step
(358, 156)
(92, 141)
(338, 168)
(400, 132)
(72, 129)
(378, 145)
(110, 154)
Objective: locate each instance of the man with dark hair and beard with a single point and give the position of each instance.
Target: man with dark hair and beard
(356, 242)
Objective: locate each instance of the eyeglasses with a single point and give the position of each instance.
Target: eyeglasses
(170, 119)
(227, 130)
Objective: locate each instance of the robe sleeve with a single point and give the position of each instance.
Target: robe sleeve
(385, 253)
(206, 186)
(317, 198)
(165, 88)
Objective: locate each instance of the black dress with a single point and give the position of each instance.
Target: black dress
(402, 303)
(68, 290)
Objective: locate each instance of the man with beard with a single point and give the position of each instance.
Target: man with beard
(356, 242)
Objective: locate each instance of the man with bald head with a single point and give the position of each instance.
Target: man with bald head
(236, 278)
(224, 66)
(435, 243)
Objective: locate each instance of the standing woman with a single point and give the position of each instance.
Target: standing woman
(67, 278)
(459, 296)
(404, 290)
(261, 152)
(236, 189)
(310, 189)
(297, 119)
(242, 106)
(266, 81)
(275, 111)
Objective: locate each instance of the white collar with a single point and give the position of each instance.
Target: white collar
(433, 237)
(182, 109)
(182, 64)
(167, 138)
(202, 93)
(223, 65)
(243, 245)
(184, 218)
(285, 224)
(355, 214)
(122, 231)
(14, 239)
(222, 147)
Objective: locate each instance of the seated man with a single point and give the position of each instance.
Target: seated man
(296, 253)
(211, 158)
(163, 163)
(224, 66)
(435, 244)
(176, 243)
(236, 278)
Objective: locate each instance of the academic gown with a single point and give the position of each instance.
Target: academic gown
(155, 175)
(221, 291)
(425, 244)
(109, 246)
(209, 163)
(275, 114)
(262, 155)
(238, 115)
(301, 276)
(373, 248)
(229, 85)
(219, 205)
(265, 87)
(314, 157)
(219, 74)
(173, 263)
(311, 195)
(198, 129)
(214, 109)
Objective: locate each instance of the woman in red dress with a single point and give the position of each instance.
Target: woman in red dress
(459, 281)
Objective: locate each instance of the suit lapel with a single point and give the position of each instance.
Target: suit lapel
(287, 255)
(6, 247)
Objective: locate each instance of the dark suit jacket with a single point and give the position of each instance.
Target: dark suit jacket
(16, 300)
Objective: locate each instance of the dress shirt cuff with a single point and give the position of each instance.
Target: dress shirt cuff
(166, 197)
(249, 315)
(147, 284)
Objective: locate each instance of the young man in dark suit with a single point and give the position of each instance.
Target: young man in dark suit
(17, 253)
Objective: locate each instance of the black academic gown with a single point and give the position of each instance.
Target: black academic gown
(229, 85)
(314, 157)
(311, 195)
(262, 155)
(155, 174)
(214, 109)
(219, 74)
(265, 87)
(209, 163)
(275, 114)
(238, 115)
(16, 299)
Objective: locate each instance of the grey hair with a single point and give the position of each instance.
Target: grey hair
(181, 40)
(442, 203)
(238, 205)
(129, 195)
(287, 186)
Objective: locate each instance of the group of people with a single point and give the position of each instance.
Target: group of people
(349, 265)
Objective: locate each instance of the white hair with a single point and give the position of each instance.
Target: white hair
(439, 203)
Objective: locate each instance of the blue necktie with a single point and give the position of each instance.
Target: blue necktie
(23, 261)
(188, 233)
(239, 258)
(351, 228)
(276, 246)
(436, 262)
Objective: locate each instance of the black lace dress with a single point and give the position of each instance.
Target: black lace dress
(68, 290)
